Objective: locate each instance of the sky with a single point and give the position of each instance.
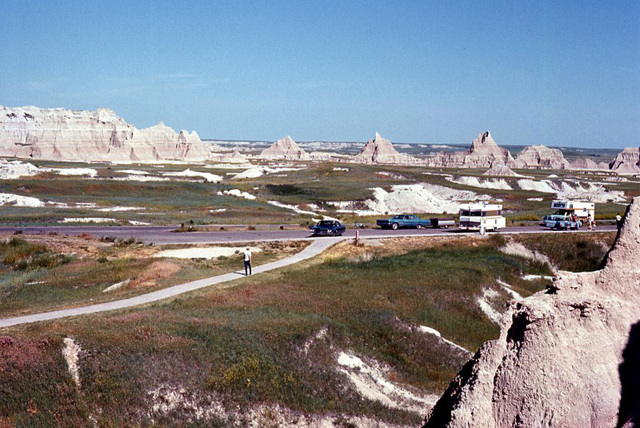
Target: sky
(558, 73)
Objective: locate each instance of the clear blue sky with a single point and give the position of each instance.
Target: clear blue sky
(531, 72)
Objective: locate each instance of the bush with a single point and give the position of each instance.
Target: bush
(572, 252)
(17, 251)
(288, 190)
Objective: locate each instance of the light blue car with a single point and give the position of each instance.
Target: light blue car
(560, 222)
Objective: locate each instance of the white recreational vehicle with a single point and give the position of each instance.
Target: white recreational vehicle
(481, 217)
(567, 208)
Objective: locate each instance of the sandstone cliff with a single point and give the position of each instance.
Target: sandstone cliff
(568, 357)
(483, 153)
(86, 136)
(284, 148)
(627, 161)
(541, 157)
(380, 150)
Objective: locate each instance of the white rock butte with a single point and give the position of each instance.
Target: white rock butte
(483, 153)
(380, 150)
(627, 161)
(87, 136)
(567, 357)
(541, 157)
(284, 148)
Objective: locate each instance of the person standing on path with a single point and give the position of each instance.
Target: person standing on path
(618, 221)
(247, 262)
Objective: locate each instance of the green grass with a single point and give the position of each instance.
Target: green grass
(245, 345)
(572, 252)
(54, 281)
(175, 202)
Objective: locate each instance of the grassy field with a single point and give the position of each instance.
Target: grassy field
(273, 339)
(112, 196)
(54, 272)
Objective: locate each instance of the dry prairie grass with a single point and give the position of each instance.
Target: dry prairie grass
(397, 246)
(157, 271)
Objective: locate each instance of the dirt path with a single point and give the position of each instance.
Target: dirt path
(316, 247)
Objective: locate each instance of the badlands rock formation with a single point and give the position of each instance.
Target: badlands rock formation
(483, 153)
(541, 157)
(85, 136)
(284, 148)
(627, 161)
(568, 357)
(501, 171)
(233, 157)
(380, 150)
(587, 164)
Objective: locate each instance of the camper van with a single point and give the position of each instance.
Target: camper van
(481, 217)
(567, 208)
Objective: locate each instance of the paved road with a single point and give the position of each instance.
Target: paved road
(166, 234)
(312, 250)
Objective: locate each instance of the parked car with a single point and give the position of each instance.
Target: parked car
(557, 221)
(403, 221)
(328, 227)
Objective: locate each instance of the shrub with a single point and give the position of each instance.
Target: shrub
(288, 190)
(18, 250)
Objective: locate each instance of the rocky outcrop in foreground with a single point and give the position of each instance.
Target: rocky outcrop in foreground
(568, 357)
(89, 136)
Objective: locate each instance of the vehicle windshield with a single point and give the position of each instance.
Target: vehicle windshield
(325, 223)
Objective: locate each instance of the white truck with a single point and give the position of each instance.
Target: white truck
(482, 217)
(582, 210)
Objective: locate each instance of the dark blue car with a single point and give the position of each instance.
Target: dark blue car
(328, 228)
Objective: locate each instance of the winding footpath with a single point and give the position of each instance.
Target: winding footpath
(316, 247)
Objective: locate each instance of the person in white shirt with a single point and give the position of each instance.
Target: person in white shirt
(247, 261)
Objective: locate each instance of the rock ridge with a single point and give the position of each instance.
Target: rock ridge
(88, 136)
(484, 153)
(541, 157)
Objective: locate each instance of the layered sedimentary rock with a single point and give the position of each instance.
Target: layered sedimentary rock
(483, 153)
(501, 171)
(380, 150)
(234, 157)
(569, 356)
(541, 157)
(329, 157)
(587, 164)
(284, 148)
(627, 161)
(86, 136)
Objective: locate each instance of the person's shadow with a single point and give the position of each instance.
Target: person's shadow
(629, 370)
